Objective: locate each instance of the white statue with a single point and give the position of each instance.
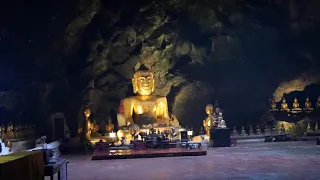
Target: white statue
(4, 150)
(222, 122)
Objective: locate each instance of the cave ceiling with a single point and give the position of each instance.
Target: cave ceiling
(235, 51)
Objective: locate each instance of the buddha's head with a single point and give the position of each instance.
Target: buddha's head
(87, 112)
(307, 99)
(209, 109)
(295, 100)
(284, 100)
(143, 82)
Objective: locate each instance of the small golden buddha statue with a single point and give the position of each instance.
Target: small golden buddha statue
(89, 126)
(208, 122)
(147, 108)
(3, 132)
(296, 105)
(308, 105)
(95, 127)
(110, 126)
(10, 134)
(273, 105)
(284, 105)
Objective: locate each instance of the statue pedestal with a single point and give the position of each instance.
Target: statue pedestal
(220, 137)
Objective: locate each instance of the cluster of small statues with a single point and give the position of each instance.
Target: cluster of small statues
(214, 118)
(295, 105)
(17, 131)
(314, 129)
(92, 128)
(258, 131)
(156, 134)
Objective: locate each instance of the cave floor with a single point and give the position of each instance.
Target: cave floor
(277, 160)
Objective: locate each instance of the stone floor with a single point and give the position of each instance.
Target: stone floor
(277, 160)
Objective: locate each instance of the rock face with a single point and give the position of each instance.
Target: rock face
(238, 52)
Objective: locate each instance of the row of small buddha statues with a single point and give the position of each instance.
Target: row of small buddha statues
(17, 131)
(257, 131)
(295, 105)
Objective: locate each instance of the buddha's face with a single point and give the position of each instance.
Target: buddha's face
(143, 83)
(209, 109)
(87, 113)
(307, 99)
(295, 100)
(284, 101)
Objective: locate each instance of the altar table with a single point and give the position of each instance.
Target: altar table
(22, 165)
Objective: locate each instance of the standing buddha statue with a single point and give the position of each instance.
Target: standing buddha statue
(284, 105)
(147, 108)
(296, 105)
(207, 123)
(88, 127)
(307, 105)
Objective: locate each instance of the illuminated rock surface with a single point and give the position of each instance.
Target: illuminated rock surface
(272, 161)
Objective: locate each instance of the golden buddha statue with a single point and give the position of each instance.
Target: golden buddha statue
(296, 105)
(146, 108)
(207, 123)
(284, 105)
(110, 126)
(3, 132)
(273, 105)
(10, 134)
(88, 128)
(308, 105)
(95, 127)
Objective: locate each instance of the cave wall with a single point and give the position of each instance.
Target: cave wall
(237, 52)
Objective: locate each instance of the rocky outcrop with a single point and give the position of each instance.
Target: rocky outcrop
(238, 52)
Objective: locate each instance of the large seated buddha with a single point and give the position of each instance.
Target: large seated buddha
(145, 109)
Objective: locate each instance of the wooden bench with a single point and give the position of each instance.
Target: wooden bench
(101, 146)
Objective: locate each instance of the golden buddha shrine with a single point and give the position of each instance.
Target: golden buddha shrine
(138, 113)
(144, 111)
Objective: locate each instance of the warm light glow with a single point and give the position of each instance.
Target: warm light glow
(189, 133)
(112, 134)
